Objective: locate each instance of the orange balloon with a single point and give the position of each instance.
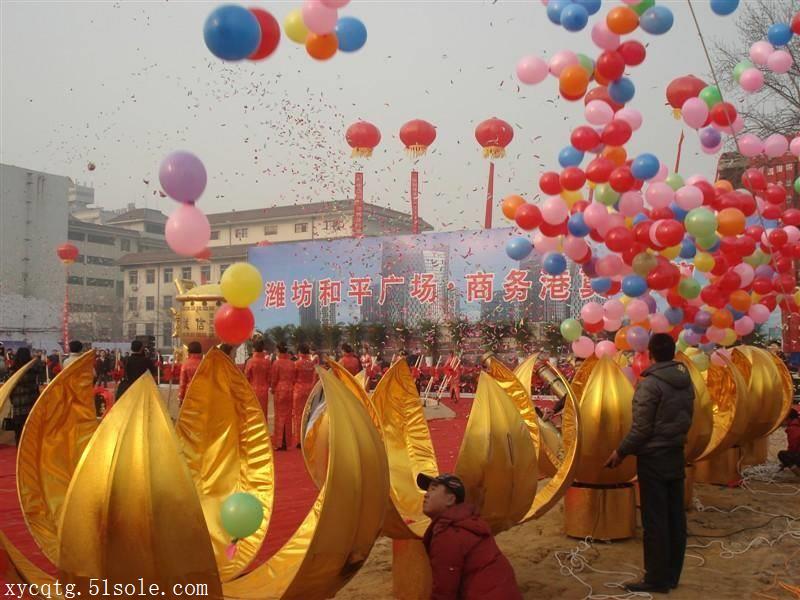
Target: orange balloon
(730, 221)
(511, 204)
(724, 185)
(622, 20)
(573, 81)
(322, 47)
(722, 319)
(621, 339)
(600, 79)
(740, 300)
(615, 154)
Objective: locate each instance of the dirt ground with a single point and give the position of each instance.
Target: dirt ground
(710, 573)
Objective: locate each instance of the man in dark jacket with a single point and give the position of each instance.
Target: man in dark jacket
(136, 366)
(662, 414)
(465, 561)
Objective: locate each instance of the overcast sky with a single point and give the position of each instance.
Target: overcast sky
(122, 84)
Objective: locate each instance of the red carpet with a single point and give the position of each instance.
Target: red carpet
(295, 492)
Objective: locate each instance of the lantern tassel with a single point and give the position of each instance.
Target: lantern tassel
(494, 152)
(361, 152)
(416, 150)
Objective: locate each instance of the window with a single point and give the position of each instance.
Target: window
(240, 233)
(167, 302)
(80, 258)
(132, 303)
(98, 282)
(149, 329)
(333, 225)
(300, 227)
(154, 228)
(270, 230)
(222, 269)
(205, 274)
(131, 330)
(100, 260)
(120, 289)
(75, 307)
(76, 236)
(106, 240)
(150, 276)
(75, 280)
(167, 274)
(150, 303)
(186, 273)
(133, 277)
(166, 335)
(215, 234)
(125, 245)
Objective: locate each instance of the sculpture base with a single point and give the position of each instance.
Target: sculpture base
(688, 487)
(600, 512)
(722, 469)
(411, 570)
(755, 452)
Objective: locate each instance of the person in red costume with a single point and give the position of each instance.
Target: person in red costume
(349, 360)
(305, 378)
(366, 360)
(790, 458)
(189, 368)
(452, 369)
(282, 375)
(257, 371)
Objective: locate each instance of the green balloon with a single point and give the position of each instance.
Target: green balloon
(674, 181)
(705, 242)
(587, 63)
(643, 263)
(681, 345)
(797, 185)
(741, 68)
(700, 360)
(710, 95)
(640, 8)
(605, 194)
(571, 329)
(700, 222)
(689, 288)
(242, 515)
(759, 257)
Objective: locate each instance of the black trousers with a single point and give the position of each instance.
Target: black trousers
(661, 476)
(789, 459)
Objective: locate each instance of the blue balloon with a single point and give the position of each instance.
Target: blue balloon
(591, 6)
(779, 34)
(724, 7)
(678, 212)
(736, 314)
(555, 8)
(674, 315)
(657, 20)
(518, 248)
(554, 263)
(708, 347)
(622, 90)
(639, 218)
(570, 157)
(577, 226)
(634, 285)
(232, 32)
(574, 17)
(601, 284)
(688, 249)
(351, 33)
(645, 166)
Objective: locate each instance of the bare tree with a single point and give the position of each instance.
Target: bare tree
(775, 108)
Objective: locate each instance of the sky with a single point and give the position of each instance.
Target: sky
(122, 84)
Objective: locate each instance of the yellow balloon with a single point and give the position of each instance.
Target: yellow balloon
(756, 297)
(729, 338)
(703, 262)
(294, 27)
(571, 197)
(625, 299)
(671, 252)
(241, 284)
(797, 297)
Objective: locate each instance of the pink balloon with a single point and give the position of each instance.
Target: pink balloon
(637, 310)
(187, 230)
(743, 326)
(592, 312)
(628, 371)
(759, 313)
(659, 195)
(688, 197)
(613, 220)
(335, 3)
(603, 37)
(779, 61)
(663, 172)
(745, 272)
(760, 51)
(735, 127)
(613, 309)
(561, 60)
(544, 244)
(531, 70)
(695, 179)
(598, 112)
(775, 145)
(720, 357)
(595, 215)
(583, 347)
(611, 324)
(659, 323)
(793, 233)
(608, 265)
(715, 334)
(631, 203)
(318, 17)
(554, 210)
(750, 145)
(711, 151)
(631, 116)
(794, 146)
(751, 80)
(605, 349)
(575, 247)
(695, 112)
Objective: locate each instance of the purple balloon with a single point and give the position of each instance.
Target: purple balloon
(710, 137)
(702, 318)
(764, 271)
(638, 337)
(182, 176)
(690, 337)
(651, 303)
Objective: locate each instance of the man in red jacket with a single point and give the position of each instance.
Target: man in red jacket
(465, 561)
(305, 378)
(349, 360)
(790, 458)
(282, 375)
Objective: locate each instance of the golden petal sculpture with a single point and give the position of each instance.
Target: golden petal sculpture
(56, 433)
(728, 391)
(131, 510)
(336, 536)
(582, 376)
(787, 390)
(362, 378)
(8, 385)
(703, 415)
(549, 438)
(225, 443)
(497, 460)
(765, 389)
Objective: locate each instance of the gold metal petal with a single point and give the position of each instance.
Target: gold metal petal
(728, 389)
(56, 433)
(549, 437)
(497, 461)
(581, 376)
(703, 416)
(8, 385)
(787, 390)
(337, 535)
(362, 379)
(314, 440)
(765, 392)
(131, 510)
(19, 569)
(225, 442)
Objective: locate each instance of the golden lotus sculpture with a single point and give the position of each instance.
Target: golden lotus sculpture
(134, 497)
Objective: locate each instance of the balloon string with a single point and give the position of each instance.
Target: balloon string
(733, 133)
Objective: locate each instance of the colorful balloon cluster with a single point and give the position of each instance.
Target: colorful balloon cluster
(234, 33)
(183, 178)
(241, 285)
(702, 261)
(317, 25)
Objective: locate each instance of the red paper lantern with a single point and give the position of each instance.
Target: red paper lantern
(67, 253)
(417, 135)
(494, 135)
(362, 137)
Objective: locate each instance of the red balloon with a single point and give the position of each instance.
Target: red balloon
(599, 170)
(674, 299)
(549, 230)
(659, 278)
(572, 178)
(642, 232)
(669, 232)
(270, 34)
(641, 361)
(754, 180)
(632, 52)
(795, 251)
(616, 133)
(657, 214)
(584, 138)
(550, 183)
(771, 212)
(791, 216)
(769, 301)
(616, 286)
(578, 207)
(233, 325)
(796, 24)
(629, 253)
(723, 114)
(619, 238)
(708, 192)
(601, 93)
(528, 216)
(621, 179)
(610, 65)
(721, 265)
(747, 204)
(729, 282)
(775, 194)
(784, 283)
(784, 265)
(593, 327)
(755, 232)
(681, 89)
(690, 312)
(762, 285)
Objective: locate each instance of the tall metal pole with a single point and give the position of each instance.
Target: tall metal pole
(414, 202)
(358, 206)
(65, 312)
(487, 224)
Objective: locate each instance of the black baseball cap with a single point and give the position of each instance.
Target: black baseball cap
(451, 482)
